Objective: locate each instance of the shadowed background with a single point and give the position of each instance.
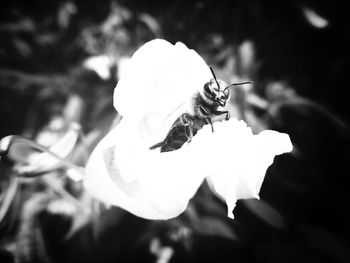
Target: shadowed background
(297, 54)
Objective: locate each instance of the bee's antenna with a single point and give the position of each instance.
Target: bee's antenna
(239, 83)
(212, 72)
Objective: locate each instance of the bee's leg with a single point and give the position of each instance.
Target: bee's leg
(185, 119)
(187, 122)
(207, 116)
(203, 110)
(208, 121)
(211, 124)
(190, 135)
(227, 117)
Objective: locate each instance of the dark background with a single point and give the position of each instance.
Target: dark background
(303, 214)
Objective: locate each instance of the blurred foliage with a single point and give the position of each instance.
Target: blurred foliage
(299, 71)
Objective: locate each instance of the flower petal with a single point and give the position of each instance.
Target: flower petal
(237, 160)
(122, 171)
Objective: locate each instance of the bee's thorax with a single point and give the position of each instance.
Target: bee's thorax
(203, 106)
(206, 98)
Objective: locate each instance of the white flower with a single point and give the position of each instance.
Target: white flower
(123, 171)
(100, 64)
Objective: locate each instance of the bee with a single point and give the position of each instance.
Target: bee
(206, 105)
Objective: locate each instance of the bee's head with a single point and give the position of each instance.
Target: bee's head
(215, 90)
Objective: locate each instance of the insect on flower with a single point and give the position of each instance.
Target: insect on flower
(205, 104)
(177, 96)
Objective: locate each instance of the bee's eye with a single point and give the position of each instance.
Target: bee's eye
(227, 92)
(208, 88)
(214, 85)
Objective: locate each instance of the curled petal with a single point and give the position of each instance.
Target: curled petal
(122, 171)
(239, 159)
(32, 158)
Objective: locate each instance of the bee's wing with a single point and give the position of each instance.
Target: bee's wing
(160, 77)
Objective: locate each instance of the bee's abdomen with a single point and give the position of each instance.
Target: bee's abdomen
(176, 137)
(182, 130)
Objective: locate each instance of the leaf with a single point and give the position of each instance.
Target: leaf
(265, 212)
(215, 227)
(33, 159)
